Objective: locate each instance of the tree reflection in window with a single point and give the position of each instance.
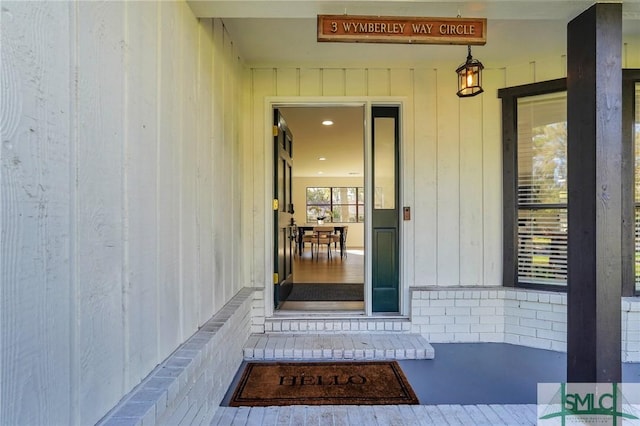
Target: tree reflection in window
(542, 189)
(335, 204)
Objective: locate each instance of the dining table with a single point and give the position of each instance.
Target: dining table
(309, 227)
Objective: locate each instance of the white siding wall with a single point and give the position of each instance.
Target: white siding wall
(451, 159)
(121, 165)
(451, 171)
(125, 202)
(35, 174)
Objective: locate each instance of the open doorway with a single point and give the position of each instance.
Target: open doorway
(327, 185)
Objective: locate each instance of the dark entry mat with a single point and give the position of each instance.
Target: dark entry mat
(323, 383)
(326, 292)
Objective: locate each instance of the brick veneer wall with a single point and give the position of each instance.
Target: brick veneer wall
(189, 385)
(536, 319)
(524, 317)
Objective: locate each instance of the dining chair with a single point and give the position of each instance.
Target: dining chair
(345, 230)
(324, 235)
(294, 236)
(308, 237)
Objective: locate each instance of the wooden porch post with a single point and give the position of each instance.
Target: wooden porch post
(594, 93)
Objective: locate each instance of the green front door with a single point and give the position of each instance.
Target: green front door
(283, 245)
(385, 219)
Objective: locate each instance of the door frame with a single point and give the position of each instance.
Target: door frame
(406, 239)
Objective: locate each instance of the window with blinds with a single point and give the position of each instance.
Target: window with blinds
(637, 183)
(542, 189)
(637, 243)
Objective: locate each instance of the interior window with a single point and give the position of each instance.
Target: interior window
(335, 204)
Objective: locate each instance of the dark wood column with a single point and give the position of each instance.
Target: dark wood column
(629, 79)
(594, 92)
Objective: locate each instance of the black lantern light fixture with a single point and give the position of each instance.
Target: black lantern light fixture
(470, 77)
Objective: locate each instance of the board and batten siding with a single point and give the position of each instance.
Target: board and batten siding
(121, 166)
(451, 172)
(35, 159)
(451, 158)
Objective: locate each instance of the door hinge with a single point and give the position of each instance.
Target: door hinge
(275, 130)
(276, 278)
(276, 205)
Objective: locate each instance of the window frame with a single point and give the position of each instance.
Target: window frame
(359, 205)
(509, 97)
(630, 77)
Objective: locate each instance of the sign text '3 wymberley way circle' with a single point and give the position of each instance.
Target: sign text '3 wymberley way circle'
(410, 30)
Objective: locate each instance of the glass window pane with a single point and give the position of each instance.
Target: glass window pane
(638, 248)
(542, 149)
(343, 195)
(637, 142)
(637, 188)
(335, 204)
(318, 203)
(318, 212)
(318, 195)
(384, 169)
(542, 189)
(542, 246)
(344, 213)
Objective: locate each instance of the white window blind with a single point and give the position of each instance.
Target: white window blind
(637, 186)
(542, 189)
(637, 247)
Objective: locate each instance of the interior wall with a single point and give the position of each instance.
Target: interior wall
(355, 236)
(451, 156)
(121, 224)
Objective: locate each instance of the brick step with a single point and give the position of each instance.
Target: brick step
(369, 346)
(339, 325)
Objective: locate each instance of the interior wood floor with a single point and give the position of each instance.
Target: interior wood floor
(320, 270)
(346, 270)
(317, 306)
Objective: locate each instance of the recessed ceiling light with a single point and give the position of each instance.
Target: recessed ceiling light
(322, 158)
(327, 123)
(320, 173)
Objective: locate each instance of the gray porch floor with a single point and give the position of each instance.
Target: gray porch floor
(382, 415)
(465, 384)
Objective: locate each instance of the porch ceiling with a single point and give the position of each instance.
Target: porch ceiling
(283, 32)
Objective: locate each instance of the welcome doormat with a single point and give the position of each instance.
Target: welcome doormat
(323, 383)
(326, 292)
